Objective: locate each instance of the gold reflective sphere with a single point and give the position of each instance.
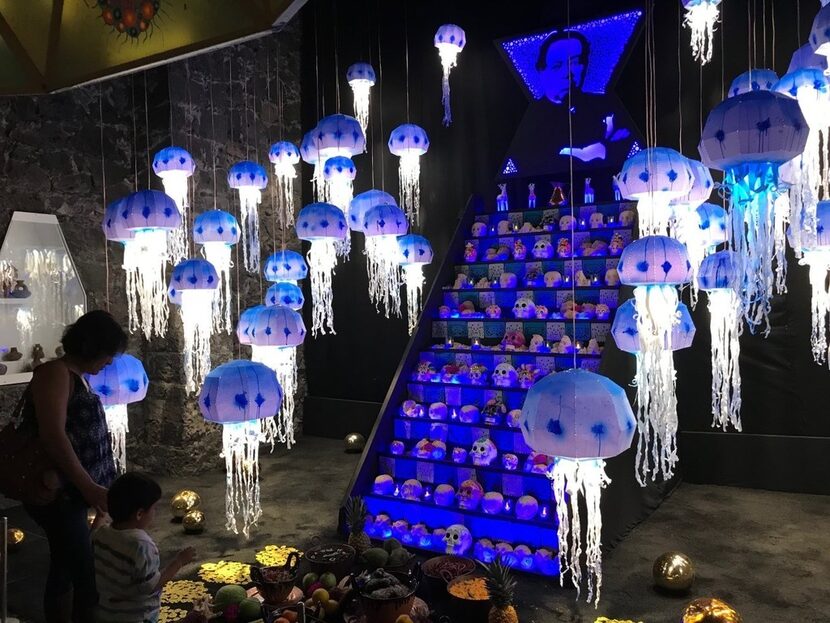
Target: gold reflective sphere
(15, 538)
(194, 522)
(355, 442)
(673, 571)
(91, 513)
(184, 502)
(710, 610)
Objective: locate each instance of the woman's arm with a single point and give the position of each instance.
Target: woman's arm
(49, 390)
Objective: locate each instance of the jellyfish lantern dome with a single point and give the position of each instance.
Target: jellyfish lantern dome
(450, 40)
(284, 293)
(118, 384)
(581, 419)
(382, 225)
(817, 259)
(238, 395)
(364, 202)
(820, 32)
(409, 142)
(217, 231)
(339, 173)
(759, 79)
(193, 286)
(285, 266)
(310, 154)
(339, 135)
(701, 18)
(249, 179)
(323, 225)
(361, 77)
(284, 155)
(175, 166)
(245, 325)
(415, 253)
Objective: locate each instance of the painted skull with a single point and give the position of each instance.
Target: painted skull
(524, 308)
(444, 311)
(566, 223)
(492, 503)
(510, 462)
(412, 489)
(478, 373)
(537, 463)
(527, 507)
(384, 485)
(457, 539)
(602, 311)
(627, 218)
(479, 229)
(430, 449)
(470, 252)
(505, 375)
(493, 311)
(485, 551)
(437, 411)
(542, 312)
(469, 414)
(459, 455)
(597, 220)
(397, 448)
(410, 408)
(563, 248)
(513, 340)
(444, 495)
(469, 495)
(504, 227)
(617, 244)
(514, 418)
(553, 279)
(508, 280)
(542, 250)
(612, 277)
(483, 451)
(519, 250)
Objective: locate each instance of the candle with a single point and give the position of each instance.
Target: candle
(397, 490)
(567, 278)
(448, 343)
(515, 227)
(476, 344)
(595, 279)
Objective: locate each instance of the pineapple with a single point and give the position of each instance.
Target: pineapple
(355, 516)
(501, 585)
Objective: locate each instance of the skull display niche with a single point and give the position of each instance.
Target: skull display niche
(438, 411)
(483, 452)
(542, 250)
(470, 494)
(505, 375)
(444, 495)
(457, 540)
(524, 308)
(412, 490)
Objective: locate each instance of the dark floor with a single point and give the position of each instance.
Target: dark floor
(768, 554)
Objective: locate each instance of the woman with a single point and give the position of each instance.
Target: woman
(72, 427)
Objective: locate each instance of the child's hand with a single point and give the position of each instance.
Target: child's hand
(185, 556)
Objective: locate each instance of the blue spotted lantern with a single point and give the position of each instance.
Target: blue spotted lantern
(217, 231)
(118, 384)
(249, 179)
(361, 77)
(113, 225)
(310, 153)
(284, 155)
(804, 57)
(364, 202)
(581, 419)
(382, 225)
(238, 395)
(245, 325)
(414, 252)
(820, 32)
(450, 40)
(339, 135)
(286, 265)
(701, 17)
(174, 165)
(409, 142)
(753, 80)
(339, 173)
(284, 293)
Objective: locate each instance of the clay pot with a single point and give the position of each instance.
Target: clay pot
(13, 355)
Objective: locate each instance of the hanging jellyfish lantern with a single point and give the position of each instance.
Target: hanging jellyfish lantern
(237, 395)
(194, 286)
(720, 278)
(820, 32)
(415, 252)
(150, 215)
(310, 154)
(749, 137)
(245, 326)
(654, 177)
(217, 231)
(361, 77)
(581, 419)
(382, 225)
(249, 179)
(804, 58)
(339, 173)
(323, 225)
(175, 166)
(712, 223)
(284, 155)
(409, 142)
(339, 135)
(118, 384)
(655, 266)
(753, 80)
(364, 202)
(277, 332)
(115, 231)
(285, 266)
(450, 40)
(701, 18)
(284, 293)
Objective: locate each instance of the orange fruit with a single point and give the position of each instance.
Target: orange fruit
(107, 16)
(129, 18)
(282, 620)
(290, 616)
(147, 10)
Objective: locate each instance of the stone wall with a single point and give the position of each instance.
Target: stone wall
(51, 161)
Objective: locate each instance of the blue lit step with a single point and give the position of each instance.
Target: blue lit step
(454, 395)
(551, 298)
(531, 273)
(546, 362)
(461, 435)
(521, 213)
(529, 238)
(551, 330)
(598, 262)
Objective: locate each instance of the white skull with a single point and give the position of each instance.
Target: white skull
(505, 375)
(384, 485)
(493, 502)
(566, 223)
(597, 220)
(612, 277)
(444, 495)
(524, 308)
(627, 218)
(479, 229)
(527, 507)
(469, 414)
(412, 490)
(504, 227)
(542, 250)
(483, 451)
(437, 411)
(457, 539)
(553, 279)
(508, 280)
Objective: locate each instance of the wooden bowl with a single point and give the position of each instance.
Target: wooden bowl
(336, 558)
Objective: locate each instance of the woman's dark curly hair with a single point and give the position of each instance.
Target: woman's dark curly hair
(93, 335)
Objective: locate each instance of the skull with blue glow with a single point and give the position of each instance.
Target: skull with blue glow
(457, 539)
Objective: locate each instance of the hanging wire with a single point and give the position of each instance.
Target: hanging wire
(406, 41)
(104, 189)
(190, 115)
(243, 128)
(380, 103)
(571, 192)
(370, 146)
(679, 79)
(317, 94)
(256, 158)
(772, 20)
(170, 101)
(336, 60)
(147, 128)
(270, 141)
(135, 134)
(764, 27)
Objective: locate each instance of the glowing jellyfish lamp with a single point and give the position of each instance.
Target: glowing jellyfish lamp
(245, 326)
(277, 332)
(249, 179)
(581, 419)
(753, 80)
(364, 202)
(655, 266)
(720, 277)
(285, 266)
(115, 230)
(310, 154)
(361, 77)
(701, 17)
(820, 32)
(805, 57)
(382, 225)
(193, 286)
(284, 293)
(118, 384)
(284, 155)
(339, 173)
(415, 253)
(150, 214)
(409, 142)
(749, 137)
(339, 135)
(175, 166)
(450, 40)
(323, 225)
(654, 177)
(238, 395)
(817, 259)
(217, 231)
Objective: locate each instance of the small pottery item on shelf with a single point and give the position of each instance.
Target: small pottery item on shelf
(194, 522)
(20, 290)
(3, 369)
(37, 355)
(13, 355)
(184, 502)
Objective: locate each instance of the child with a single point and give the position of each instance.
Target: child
(127, 572)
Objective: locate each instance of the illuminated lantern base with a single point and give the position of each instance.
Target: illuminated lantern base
(382, 265)
(118, 427)
(285, 175)
(414, 279)
(725, 325)
(819, 264)
(240, 447)
(322, 260)
(654, 214)
(409, 178)
(250, 199)
(361, 90)
(219, 254)
(175, 187)
(145, 259)
(701, 19)
(283, 361)
(197, 323)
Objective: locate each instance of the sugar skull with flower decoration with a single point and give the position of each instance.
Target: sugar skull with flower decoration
(483, 452)
(513, 340)
(563, 248)
(528, 374)
(430, 449)
(478, 374)
(602, 311)
(542, 312)
(470, 252)
(567, 223)
(617, 244)
(510, 462)
(411, 409)
(519, 250)
(537, 463)
(451, 371)
(425, 371)
(494, 411)
(470, 493)
(597, 220)
(505, 375)
(493, 311)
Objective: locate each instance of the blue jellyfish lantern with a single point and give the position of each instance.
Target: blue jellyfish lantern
(701, 18)
(817, 258)
(276, 333)
(151, 215)
(364, 202)
(415, 252)
(323, 225)
(339, 173)
(450, 40)
(339, 135)
(193, 286)
(382, 225)
(655, 265)
(121, 382)
(804, 58)
(720, 277)
(249, 179)
(310, 153)
(245, 326)
(409, 142)
(238, 395)
(626, 332)
(749, 137)
(217, 231)
(175, 166)
(113, 225)
(361, 77)
(285, 266)
(753, 80)
(820, 33)
(581, 419)
(284, 293)
(284, 155)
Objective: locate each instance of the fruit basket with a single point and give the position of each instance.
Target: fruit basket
(336, 558)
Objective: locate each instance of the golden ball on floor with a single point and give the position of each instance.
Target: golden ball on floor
(184, 502)
(673, 571)
(355, 442)
(194, 522)
(710, 610)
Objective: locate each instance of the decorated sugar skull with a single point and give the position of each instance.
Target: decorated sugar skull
(542, 312)
(508, 280)
(457, 540)
(493, 311)
(470, 252)
(397, 447)
(537, 344)
(513, 340)
(567, 223)
(469, 495)
(537, 463)
(384, 485)
(412, 409)
(479, 229)
(545, 561)
(524, 308)
(418, 535)
(383, 525)
(484, 550)
(412, 489)
(527, 507)
(524, 556)
(519, 250)
(504, 227)
(528, 374)
(563, 248)
(400, 529)
(617, 244)
(424, 371)
(627, 218)
(438, 411)
(469, 414)
(542, 250)
(612, 277)
(478, 374)
(510, 462)
(492, 503)
(483, 452)
(444, 311)
(444, 495)
(602, 311)
(513, 418)
(553, 279)
(596, 220)
(494, 411)
(505, 375)
(459, 455)
(430, 449)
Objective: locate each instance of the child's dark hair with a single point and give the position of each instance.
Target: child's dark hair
(130, 493)
(94, 334)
